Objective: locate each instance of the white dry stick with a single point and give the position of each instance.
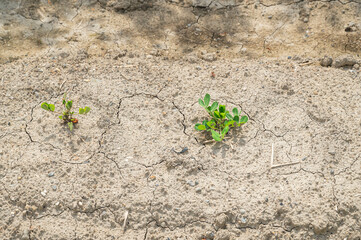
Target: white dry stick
(125, 220)
(286, 164)
(61, 85)
(272, 156)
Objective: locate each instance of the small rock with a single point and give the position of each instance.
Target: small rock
(289, 57)
(305, 20)
(198, 190)
(244, 50)
(221, 221)
(242, 211)
(43, 193)
(356, 66)
(54, 187)
(191, 183)
(120, 54)
(332, 172)
(152, 178)
(270, 17)
(64, 55)
(326, 61)
(198, 68)
(191, 58)
(51, 174)
(344, 61)
(210, 57)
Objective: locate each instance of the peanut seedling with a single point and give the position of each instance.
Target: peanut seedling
(221, 120)
(67, 114)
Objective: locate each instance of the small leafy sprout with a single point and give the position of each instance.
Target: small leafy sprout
(67, 114)
(222, 120)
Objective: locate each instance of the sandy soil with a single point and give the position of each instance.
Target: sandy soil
(122, 164)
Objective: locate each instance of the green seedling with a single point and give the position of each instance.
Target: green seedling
(67, 114)
(222, 120)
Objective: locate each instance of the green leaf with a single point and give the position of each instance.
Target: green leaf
(222, 108)
(200, 127)
(229, 116)
(229, 123)
(200, 101)
(69, 104)
(86, 109)
(216, 114)
(45, 106)
(224, 131)
(243, 120)
(207, 98)
(211, 124)
(223, 115)
(216, 136)
(214, 106)
(70, 124)
(235, 112)
(64, 98)
(81, 110)
(61, 117)
(51, 107)
(236, 119)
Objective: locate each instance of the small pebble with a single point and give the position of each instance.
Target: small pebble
(242, 211)
(198, 190)
(43, 193)
(243, 220)
(54, 187)
(289, 57)
(332, 171)
(191, 183)
(51, 174)
(152, 177)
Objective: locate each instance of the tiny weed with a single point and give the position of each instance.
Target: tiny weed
(221, 120)
(67, 114)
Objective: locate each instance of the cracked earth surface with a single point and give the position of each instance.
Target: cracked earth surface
(123, 164)
(123, 156)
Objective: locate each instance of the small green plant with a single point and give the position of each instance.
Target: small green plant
(221, 120)
(67, 114)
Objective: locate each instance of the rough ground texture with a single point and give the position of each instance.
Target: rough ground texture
(141, 68)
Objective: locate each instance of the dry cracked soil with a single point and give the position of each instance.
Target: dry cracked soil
(135, 167)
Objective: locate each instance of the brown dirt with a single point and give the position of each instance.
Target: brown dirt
(141, 68)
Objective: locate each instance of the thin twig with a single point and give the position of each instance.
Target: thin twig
(61, 85)
(125, 220)
(272, 156)
(304, 64)
(286, 164)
